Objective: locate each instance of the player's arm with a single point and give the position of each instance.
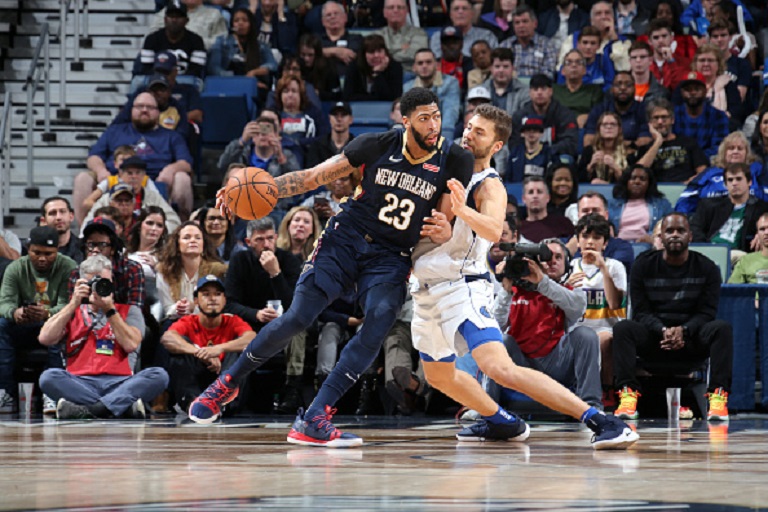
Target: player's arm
(299, 182)
(491, 200)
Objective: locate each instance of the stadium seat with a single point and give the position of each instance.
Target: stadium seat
(719, 253)
(228, 104)
(671, 191)
(374, 113)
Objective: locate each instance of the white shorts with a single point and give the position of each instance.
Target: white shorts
(439, 310)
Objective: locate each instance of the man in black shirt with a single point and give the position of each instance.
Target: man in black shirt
(674, 294)
(187, 46)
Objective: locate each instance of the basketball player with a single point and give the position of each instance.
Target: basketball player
(364, 253)
(452, 306)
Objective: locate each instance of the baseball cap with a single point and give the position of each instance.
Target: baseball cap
(176, 8)
(134, 162)
(165, 62)
(44, 235)
(121, 188)
(540, 80)
(343, 106)
(532, 123)
(158, 79)
(451, 31)
(210, 278)
(479, 93)
(691, 77)
(102, 225)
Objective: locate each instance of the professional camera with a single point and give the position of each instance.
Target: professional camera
(515, 267)
(101, 286)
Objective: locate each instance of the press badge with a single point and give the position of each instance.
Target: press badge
(105, 347)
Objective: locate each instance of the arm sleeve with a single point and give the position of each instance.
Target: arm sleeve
(572, 302)
(178, 146)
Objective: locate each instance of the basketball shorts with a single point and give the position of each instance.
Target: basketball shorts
(440, 310)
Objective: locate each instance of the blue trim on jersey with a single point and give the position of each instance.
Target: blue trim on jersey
(476, 336)
(427, 359)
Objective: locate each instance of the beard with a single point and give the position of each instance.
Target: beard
(144, 126)
(212, 313)
(694, 102)
(421, 142)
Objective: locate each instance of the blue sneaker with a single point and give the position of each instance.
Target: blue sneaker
(484, 430)
(207, 407)
(611, 433)
(319, 431)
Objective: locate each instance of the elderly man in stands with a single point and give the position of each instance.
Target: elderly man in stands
(34, 287)
(339, 44)
(188, 46)
(401, 38)
(461, 18)
(204, 21)
(57, 213)
(167, 156)
(534, 53)
(445, 86)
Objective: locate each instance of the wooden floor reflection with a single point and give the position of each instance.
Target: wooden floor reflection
(410, 464)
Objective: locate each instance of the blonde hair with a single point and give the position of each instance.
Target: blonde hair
(713, 49)
(284, 237)
(619, 153)
(730, 139)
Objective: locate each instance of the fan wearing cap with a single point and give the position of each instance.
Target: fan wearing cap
(99, 333)
(34, 287)
(187, 45)
(131, 176)
(531, 157)
(697, 118)
(446, 87)
(451, 61)
(207, 22)
(187, 95)
(204, 343)
(173, 114)
(326, 146)
(461, 15)
(100, 237)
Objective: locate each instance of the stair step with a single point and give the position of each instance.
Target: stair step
(108, 52)
(31, 29)
(94, 89)
(147, 6)
(73, 77)
(99, 41)
(63, 138)
(98, 22)
(89, 66)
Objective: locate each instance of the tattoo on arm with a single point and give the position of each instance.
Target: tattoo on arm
(298, 182)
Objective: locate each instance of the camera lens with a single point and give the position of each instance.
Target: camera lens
(103, 287)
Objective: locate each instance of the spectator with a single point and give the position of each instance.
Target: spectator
(278, 26)
(121, 198)
(560, 130)
(731, 219)
(634, 125)
(481, 64)
(605, 158)
(720, 34)
(203, 344)
(186, 95)
(637, 205)
(563, 186)
(760, 137)
(733, 150)
(187, 46)
(669, 67)
(745, 271)
(99, 334)
(604, 282)
(291, 103)
(240, 53)
(260, 274)
(327, 203)
(631, 19)
(611, 45)
(221, 233)
(461, 18)
(561, 21)
(186, 257)
(722, 91)
(499, 20)
(132, 172)
(145, 241)
(326, 146)
(696, 118)
(298, 232)
(10, 245)
(318, 72)
(401, 39)
(507, 92)
(57, 213)
(340, 46)
(647, 88)
(373, 75)
(165, 152)
(100, 237)
(445, 86)
(599, 68)
(530, 158)
(574, 94)
(671, 157)
(204, 21)
(698, 16)
(540, 224)
(534, 53)
(452, 62)
(669, 11)
(683, 330)
(33, 289)
(291, 67)
(173, 115)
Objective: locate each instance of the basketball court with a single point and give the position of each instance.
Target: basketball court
(406, 464)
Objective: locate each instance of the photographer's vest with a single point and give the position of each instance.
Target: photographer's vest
(93, 351)
(535, 323)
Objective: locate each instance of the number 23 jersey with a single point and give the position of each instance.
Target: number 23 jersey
(396, 190)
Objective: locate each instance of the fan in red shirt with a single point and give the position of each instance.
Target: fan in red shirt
(203, 344)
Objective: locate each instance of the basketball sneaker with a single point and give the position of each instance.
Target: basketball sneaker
(319, 431)
(484, 430)
(685, 413)
(718, 405)
(627, 409)
(611, 433)
(207, 407)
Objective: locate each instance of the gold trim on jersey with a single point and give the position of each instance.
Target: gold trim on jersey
(413, 161)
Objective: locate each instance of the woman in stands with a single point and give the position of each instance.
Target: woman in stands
(145, 241)
(241, 54)
(374, 75)
(760, 136)
(722, 90)
(605, 160)
(186, 257)
(219, 231)
(709, 183)
(317, 70)
(299, 231)
(563, 186)
(291, 103)
(499, 20)
(637, 205)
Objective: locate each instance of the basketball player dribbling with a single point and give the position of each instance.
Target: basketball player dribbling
(452, 306)
(364, 253)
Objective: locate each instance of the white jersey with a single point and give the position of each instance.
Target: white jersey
(598, 316)
(465, 254)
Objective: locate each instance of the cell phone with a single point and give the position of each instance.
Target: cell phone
(265, 128)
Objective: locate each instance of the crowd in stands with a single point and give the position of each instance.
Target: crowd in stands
(630, 94)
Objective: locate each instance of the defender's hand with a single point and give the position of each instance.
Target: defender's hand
(437, 227)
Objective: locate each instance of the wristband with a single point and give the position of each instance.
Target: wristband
(111, 312)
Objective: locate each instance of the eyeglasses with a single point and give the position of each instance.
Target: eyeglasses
(215, 219)
(142, 106)
(577, 62)
(97, 245)
(609, 125)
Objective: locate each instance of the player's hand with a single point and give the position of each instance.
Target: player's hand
(437, 227)
(266, 315)
(269, 262)
(576, 279)
(536, 273)
(458, 197)
(222, 206)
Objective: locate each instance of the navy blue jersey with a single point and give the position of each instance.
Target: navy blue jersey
(397, 191)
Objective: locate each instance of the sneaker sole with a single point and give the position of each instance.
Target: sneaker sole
(303, 440)
(627, 439)
(717, 418)
(203, 421)
(625, 416)
(517, 439)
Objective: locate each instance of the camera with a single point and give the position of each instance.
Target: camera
(101, 286)
(515, 267)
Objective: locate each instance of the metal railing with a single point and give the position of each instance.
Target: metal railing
(79, 5)
(32, 82)
(5, 158)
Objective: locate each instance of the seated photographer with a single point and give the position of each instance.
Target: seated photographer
(201, 345)
(99, 334)
(538, 316)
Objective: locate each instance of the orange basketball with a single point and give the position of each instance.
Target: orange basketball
(250, 193)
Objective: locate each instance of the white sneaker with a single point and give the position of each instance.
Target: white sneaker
(470, 415)
(7, 403)
(49, 406)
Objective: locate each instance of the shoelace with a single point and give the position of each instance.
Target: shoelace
(627, 399)
(324, 420)
(718, 399)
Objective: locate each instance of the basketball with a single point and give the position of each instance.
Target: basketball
(251, 193)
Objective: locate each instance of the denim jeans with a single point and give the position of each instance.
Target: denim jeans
(15, 338)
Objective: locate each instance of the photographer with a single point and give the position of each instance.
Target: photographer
(539, 316)
(99, 334)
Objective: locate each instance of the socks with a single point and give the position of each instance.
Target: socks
(500, 417)
(589, 414)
